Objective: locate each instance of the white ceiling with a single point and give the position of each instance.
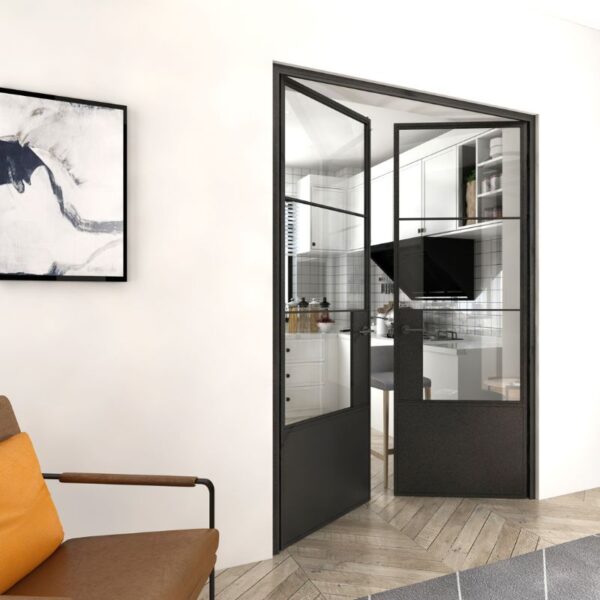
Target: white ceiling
(316, 135)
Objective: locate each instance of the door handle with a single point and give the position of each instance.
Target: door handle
(405, 330)
(365, 331)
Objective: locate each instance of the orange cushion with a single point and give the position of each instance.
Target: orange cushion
(30, 530)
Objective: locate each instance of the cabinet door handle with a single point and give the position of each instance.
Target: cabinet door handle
(287, 398)
(287, 375)
(287, 349)
(314, 243)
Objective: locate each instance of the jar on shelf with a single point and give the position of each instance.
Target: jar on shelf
(324, 316)
(485, 185)
(313, 309)
(303, 320)
(292, 318)
(496, 181)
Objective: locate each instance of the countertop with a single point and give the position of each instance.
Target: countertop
(470, 343)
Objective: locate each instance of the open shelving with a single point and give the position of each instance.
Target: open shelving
(488, 177)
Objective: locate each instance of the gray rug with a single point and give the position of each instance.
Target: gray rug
(569, 571)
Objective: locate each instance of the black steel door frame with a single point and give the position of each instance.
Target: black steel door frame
(281, 71)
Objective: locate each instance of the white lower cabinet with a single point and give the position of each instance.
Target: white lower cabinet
(460, 374)
(312, 376)
(442, 369)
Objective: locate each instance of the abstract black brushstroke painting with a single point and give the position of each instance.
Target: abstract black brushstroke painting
(62, 188)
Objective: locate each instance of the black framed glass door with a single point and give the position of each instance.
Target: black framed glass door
(461, 331)
(323, 360)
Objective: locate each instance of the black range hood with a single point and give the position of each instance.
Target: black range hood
(431, 267)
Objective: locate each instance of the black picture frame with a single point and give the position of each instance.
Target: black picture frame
(90, 103)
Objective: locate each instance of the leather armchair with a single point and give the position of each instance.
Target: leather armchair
(165, 565)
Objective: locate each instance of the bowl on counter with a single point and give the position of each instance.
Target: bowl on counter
(325, 327)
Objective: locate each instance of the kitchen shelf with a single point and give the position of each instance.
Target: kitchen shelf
(490, 162)
(490, 193)
(475, 231)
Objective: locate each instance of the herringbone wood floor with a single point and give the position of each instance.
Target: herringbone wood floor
(396, 541)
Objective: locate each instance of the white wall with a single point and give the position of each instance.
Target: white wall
(171, 372)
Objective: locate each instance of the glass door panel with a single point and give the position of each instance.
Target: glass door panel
(459, 175)
(324, 152)
(475, 268)
(458, 331)
(326, 263)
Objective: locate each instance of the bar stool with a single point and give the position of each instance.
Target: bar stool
(382, 378)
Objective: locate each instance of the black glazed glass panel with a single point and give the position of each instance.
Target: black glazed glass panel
(459, 173)
(324, 153)
(478, 269)
(317, 368)
(472, 355)
(325, 256)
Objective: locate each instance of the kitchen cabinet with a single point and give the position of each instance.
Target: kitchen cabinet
(322, 230)
(459, 374)
(428, 190)
(356, 201)
(382, 208)
(316, 381)
(411, 200)
(304, 360)
(440, 191)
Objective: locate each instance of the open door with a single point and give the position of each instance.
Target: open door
(323, 334)
(461, 332)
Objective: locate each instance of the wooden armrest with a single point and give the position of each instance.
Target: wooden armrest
(116, 479)
(157, 480)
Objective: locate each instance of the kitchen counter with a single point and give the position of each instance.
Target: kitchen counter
(471, 342)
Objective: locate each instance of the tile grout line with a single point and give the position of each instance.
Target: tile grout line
(458, 585)
(545, 574)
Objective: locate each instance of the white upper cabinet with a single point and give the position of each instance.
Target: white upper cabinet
(320, 229)
(411, 200)
(382, 209)
(356, 202)
(440, 191)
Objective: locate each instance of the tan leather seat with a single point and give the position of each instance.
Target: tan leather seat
(148, 566)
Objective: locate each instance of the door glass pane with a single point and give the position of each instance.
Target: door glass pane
(324, 151)
(325, 256)
(477, 267)
(317, 370)
(471, 355)
(458, 174)
(324, 232)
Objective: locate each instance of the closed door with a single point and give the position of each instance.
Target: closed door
(322, 350)
(461, 417)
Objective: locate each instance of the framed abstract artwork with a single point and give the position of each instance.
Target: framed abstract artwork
(63, 193)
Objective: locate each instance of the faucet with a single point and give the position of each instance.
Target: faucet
(447, 334)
